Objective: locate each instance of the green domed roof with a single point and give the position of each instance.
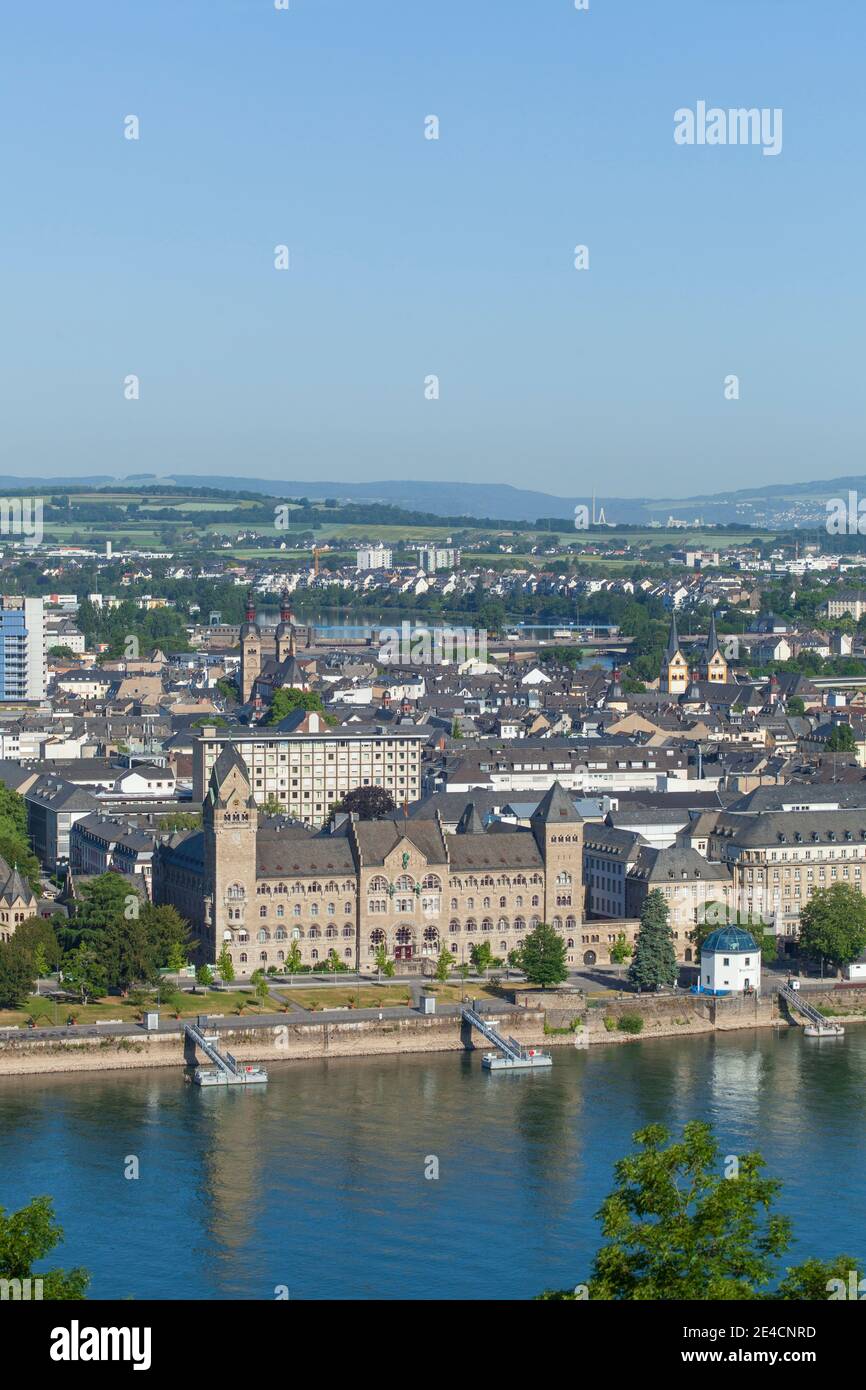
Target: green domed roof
(731, 940)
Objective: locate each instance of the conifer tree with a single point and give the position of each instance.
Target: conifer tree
(655, 959)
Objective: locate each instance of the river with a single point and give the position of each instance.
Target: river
(316, 1183)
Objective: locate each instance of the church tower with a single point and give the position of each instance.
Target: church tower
(558, 831)
(674, 677)
(251, 650)
(714, 667)
(230, 823)
(285, 629)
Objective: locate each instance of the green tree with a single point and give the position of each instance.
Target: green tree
(294, 959)
(288, 698)
(180, 820)
(444, 962)
(621, 950)
(204, 976)
(29, 1235)
(83, 973)
(655, 959)
(833, 925)
(796, 707)
(259, 982)
(17, 975)
(841, 740)
(676, 1228)
(368, 803)
(543, 956)
(176, 958)
(225, 966)
(481, 956)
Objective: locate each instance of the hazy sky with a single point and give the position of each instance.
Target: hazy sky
(411, 257)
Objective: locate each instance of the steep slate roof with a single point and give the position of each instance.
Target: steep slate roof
(677, 865)
(16, 888)
(470, 822)
(515, 851)
(555, 808)
(379, 838)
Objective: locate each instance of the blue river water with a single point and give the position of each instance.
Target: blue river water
(316, 1185)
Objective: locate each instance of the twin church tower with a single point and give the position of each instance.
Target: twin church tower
(676, 676)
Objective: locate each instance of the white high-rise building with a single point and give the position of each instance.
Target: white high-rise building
(435, 557)
(22, 648)
(374, 557)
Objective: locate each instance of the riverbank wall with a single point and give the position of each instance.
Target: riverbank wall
(281, 1042)
(547, 1018)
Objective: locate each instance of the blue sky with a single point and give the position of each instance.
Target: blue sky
(411, 257)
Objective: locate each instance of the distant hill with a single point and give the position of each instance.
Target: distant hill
(776, 506)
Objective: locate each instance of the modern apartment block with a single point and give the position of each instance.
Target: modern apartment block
(374, 557)
(22, 648)
(434, 557)
(309, 768)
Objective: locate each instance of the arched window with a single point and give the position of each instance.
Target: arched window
(348, 952)
(502, 924)
(263, 955)
(314, 955)
(519, 924)
(314, 933)
(263, 936)
(263, 912)
(471, 924)
(432, 881)
(378, 884)
(404, 936)
(563, 878)
(377, 938)
(405, 883)
(487, 925)
(243, 958)
(453, 928)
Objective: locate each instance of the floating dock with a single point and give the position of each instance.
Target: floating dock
(816, 1025)
(227, 1070)
(512, 1055)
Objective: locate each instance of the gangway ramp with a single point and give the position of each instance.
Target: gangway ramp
(512, 1055)
(817, 1026)
(228, 1070)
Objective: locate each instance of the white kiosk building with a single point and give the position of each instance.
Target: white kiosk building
(730, 960)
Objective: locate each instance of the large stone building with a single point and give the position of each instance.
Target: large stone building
(257, 884)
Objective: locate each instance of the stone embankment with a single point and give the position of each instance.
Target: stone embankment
(547, 1017)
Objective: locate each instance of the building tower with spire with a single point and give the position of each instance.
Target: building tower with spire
(558, 831)
(251, 650)
(674, 677)
(230, 825)
(285, 634)
(713, 666)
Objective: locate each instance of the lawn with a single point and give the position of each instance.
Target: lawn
(342, 996)
(210, 1001)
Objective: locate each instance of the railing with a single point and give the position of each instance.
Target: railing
(225, 1061)
(793, 1000)
(510, 1047)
